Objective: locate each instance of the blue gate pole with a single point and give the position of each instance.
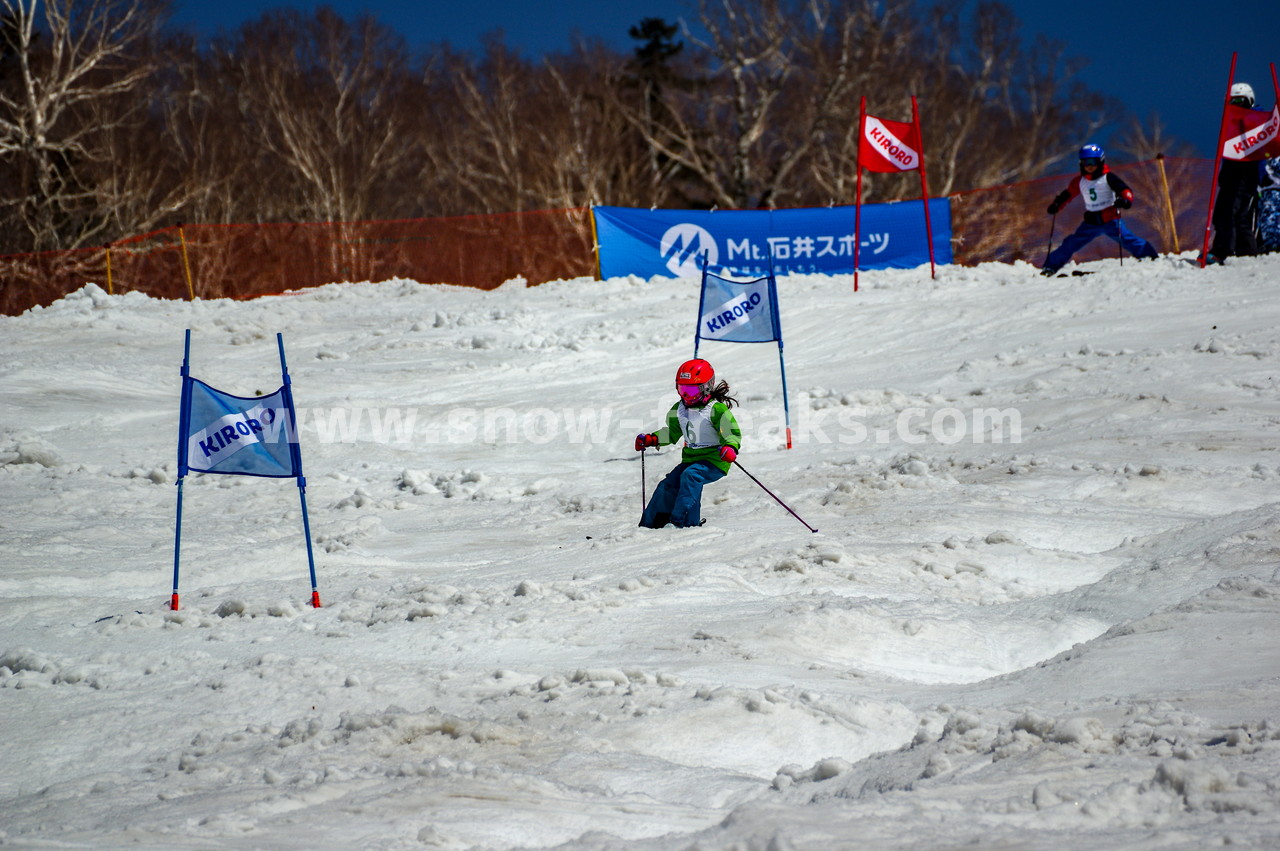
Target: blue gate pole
(306, 531)
(777, 332)
(702, 295)
(295, 453)
(177, 550)
(786, 405)
(184, 417)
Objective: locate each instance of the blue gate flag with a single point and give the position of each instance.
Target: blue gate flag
(738, 311)
(742, 243)
(240, 436)
(741, 312)
(237, 435)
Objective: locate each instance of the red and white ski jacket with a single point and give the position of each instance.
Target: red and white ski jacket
(1099, 194)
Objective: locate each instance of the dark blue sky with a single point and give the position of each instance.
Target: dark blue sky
(1168, 57)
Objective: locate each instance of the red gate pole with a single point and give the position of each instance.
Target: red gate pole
(857, 204)
(1217, 162)
(1275, 85)
(924, 188)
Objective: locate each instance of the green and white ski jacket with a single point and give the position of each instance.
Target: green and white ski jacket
(704, 430)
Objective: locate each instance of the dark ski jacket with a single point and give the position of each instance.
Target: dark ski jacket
(1104, 197)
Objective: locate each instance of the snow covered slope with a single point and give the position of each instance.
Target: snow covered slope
(1041, 610)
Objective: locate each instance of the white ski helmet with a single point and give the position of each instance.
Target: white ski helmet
(1242, 90)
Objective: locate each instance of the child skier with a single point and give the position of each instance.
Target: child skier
(711, 440)
(1104, 195)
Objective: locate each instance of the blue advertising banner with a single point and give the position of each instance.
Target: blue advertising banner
(670, 243)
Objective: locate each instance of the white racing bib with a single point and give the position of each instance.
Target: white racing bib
(695, 425)
(1096, 194)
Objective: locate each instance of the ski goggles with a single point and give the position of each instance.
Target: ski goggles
(1240, 100)
(691, 392)
(1090, 162)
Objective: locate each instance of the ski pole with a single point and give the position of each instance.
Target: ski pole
(1049, 248)
(1120, 236)
(643, 489)
(775, 496)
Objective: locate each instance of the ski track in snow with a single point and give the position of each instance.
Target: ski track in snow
(1068, 641)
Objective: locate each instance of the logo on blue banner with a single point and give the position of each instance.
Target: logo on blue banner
(742, 243)
(238, 435)
(683, 245)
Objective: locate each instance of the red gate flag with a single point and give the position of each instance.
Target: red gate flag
(1244, 135)
(889, 145)
(1251, 134)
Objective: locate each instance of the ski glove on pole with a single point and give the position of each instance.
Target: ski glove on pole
(646, 441)
(1124, 200)
(1058, 201)
(728, 453)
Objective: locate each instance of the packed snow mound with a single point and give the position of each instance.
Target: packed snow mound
(1043, 596)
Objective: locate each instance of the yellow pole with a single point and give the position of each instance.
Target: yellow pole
(595, 237)
(1168, 204)
(186, 264)
(110, 289)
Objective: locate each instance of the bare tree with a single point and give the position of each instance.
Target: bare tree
(108, 128)
(491, 159)
(524, 135)
(714, 130)
(1144, 141)
(770, 119)
(877, 40)
(217, 173)
(994, 113)
(160, 168)
(435, 186)
(586, 157)
(655, 67)
(67, 72)
(325, 98)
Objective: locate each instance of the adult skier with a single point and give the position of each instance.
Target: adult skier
(1269, 207)
(1235, 209)
(701, 417)
(1104, 195)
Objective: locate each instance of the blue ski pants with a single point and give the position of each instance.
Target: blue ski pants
(1087, 233)
(678, 497)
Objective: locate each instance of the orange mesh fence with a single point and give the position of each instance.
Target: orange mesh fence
(1008, 223)
(243, 261)
(1002, 224)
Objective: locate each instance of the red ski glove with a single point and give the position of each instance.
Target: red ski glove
(646, 441)
(728, 453)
